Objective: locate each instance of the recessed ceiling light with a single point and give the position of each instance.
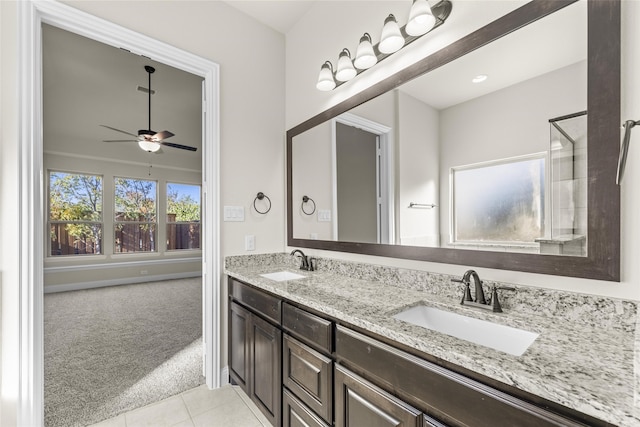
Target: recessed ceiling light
(479, 78)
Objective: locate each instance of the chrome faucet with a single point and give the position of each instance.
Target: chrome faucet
(306, 263)
(493, 304)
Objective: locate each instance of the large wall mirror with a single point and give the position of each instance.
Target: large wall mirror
(497, 151)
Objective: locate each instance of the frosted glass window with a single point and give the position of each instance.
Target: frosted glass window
(499, 202)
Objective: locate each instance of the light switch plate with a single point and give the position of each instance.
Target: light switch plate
(234, 213)
(324, 215)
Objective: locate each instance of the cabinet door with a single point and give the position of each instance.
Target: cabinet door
(239, 351)
(266, 379)
(360, 403)
(308, 375)
(295, 414)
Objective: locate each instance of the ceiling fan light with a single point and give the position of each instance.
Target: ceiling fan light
(391, 39)
(365, 56)
(345, 70)
(148, 146)
(326, 81)
(421, 18)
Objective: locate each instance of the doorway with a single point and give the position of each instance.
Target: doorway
(362, 164)
(32, 231)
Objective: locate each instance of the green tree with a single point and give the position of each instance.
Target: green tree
(135, 201)
(183, 206)
(77, 200)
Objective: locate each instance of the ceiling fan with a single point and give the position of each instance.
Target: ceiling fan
(147, 139)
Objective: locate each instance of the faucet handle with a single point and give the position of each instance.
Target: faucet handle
(495, 304)
(467, 290)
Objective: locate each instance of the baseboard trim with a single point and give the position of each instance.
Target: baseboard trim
(115, 282)
(130, 262)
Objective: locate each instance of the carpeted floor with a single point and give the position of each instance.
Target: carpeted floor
(110, 350)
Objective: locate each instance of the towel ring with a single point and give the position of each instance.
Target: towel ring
(261, 196)
(306, 199)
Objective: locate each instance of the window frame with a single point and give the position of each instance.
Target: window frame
(167, 222)
(116, 222)
(541, 155)
(50, 222)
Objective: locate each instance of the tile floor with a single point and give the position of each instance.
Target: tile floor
(227, 406)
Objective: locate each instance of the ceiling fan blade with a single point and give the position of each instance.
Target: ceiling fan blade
(183, 147)
(118, 130)
(119, 140)
(162, 135)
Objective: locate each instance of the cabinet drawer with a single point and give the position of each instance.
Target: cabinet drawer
(308, 374)
(360, 403)
(451, 397)
(314, 330)
(261, 302)
(295, 414)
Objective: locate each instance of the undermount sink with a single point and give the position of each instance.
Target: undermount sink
(282, 276)
(499, 337)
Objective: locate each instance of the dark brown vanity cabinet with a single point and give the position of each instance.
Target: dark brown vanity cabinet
(255, 347)
(360, 403)
(452, 398)
(307, 372)
(303, 370)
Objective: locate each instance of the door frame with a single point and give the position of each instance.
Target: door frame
(31, 15)
(386, 212)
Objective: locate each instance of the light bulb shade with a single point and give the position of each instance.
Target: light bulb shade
(391, 39)
(365, 56)
(149, 146)
(345, 70)
(421, 18)
(325, 78)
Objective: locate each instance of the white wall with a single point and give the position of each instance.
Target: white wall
(251, 132)
(9, 215)
(418, 171)
(321, 34)
(312, 178)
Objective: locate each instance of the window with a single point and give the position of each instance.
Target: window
(135, 215)
(183, 216)
(499, 202)
(75, 214)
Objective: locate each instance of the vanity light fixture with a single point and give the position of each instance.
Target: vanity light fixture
(345, 70)
(422, 19)
(365, 55)
(325, 79)
(391, 39)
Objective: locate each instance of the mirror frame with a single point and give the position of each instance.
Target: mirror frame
(603, 123)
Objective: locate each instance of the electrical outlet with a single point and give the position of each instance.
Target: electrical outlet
(250, 243)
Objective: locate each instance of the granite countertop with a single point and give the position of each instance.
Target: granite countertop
(584, 366)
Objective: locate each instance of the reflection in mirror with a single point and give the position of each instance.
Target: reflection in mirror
(432, 162)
